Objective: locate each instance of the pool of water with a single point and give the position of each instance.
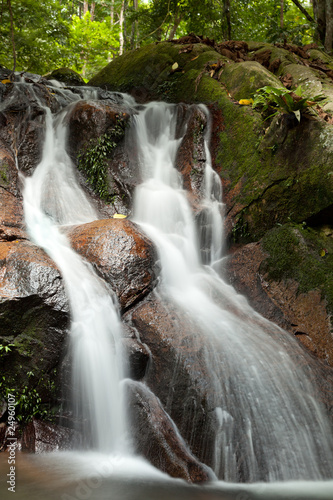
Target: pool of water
(93, 476)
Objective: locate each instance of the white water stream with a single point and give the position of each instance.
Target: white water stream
(52, 197)
(269, 420)
(270, 425)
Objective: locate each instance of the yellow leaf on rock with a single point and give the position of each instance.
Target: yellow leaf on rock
(6, 81)
(119, 216)
(174, 66)
(246, 102)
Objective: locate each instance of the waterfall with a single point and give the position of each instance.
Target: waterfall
(53, 198)
(270, 426)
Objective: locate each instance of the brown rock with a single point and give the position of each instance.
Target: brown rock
(41, 437)
(157, 438)
(177, 372)
(122, 255)
(91, 119)
(11, 210)
(280, 301)
(34, 313)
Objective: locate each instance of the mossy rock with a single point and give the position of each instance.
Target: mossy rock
(243, 79)
(303, 254)
(67, 76)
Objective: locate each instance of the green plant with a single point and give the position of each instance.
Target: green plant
(4, 349)
(282, 100)
(93, 161)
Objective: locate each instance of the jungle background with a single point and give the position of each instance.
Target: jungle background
(39, 36)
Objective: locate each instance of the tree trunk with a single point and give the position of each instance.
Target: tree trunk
(112, 13)
(281, 13)
(134, 35)
(121, 24)
(92, 10)
(227, 16)
(175, 25)
(328, 44)
(85, 6)
(319, 12)
(12, 31)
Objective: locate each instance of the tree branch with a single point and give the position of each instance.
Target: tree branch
(304, 11)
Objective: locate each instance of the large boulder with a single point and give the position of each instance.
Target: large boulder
(157, 438)
(34, 324)
(121, 254)
(177, 373)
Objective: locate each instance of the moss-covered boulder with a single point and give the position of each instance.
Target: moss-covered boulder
(67, 76)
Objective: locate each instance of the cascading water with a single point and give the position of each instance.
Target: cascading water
(52, 196)
(270, 425)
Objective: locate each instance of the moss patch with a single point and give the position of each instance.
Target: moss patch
(303, 254)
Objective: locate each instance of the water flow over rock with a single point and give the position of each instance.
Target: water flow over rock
(52, 196)
(269, 424)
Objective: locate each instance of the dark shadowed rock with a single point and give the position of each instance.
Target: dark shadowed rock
(41, 437)
(177, 372)
(90, 119)
(122, 255)
(34, 315)
(157, 438)
(65, 75)
(8, 170)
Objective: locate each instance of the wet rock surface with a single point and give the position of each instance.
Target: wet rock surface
(121, 254)
(34, 315)
(157, 438)
(42, 437)
(177, 373)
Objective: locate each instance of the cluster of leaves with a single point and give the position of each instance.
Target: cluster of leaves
(28, 400)
(92, 161)
(55, 33)
(283, 100)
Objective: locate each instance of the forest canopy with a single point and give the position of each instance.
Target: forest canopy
(41, 35)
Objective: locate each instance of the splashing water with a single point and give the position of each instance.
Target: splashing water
(270, 426)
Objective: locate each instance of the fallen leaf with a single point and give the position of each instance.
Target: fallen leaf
(6, 81)
(246, 102)
(174, 66)
(119, 216)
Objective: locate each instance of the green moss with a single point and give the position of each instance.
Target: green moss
(303, 254)
(4, 175)
(243, 79)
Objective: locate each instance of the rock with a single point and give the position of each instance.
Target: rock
(176, 373)
(11, 210)
(34, 319)
(156, 437)
(121, 254)
(88, 120)
(66, 76)
(138, 356)
(8, 170)
(41, 437)
(288, 281)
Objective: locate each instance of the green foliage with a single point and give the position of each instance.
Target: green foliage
(91, 44)
(4, 349)
(29, 400)
(93, 161)
(283, 100)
